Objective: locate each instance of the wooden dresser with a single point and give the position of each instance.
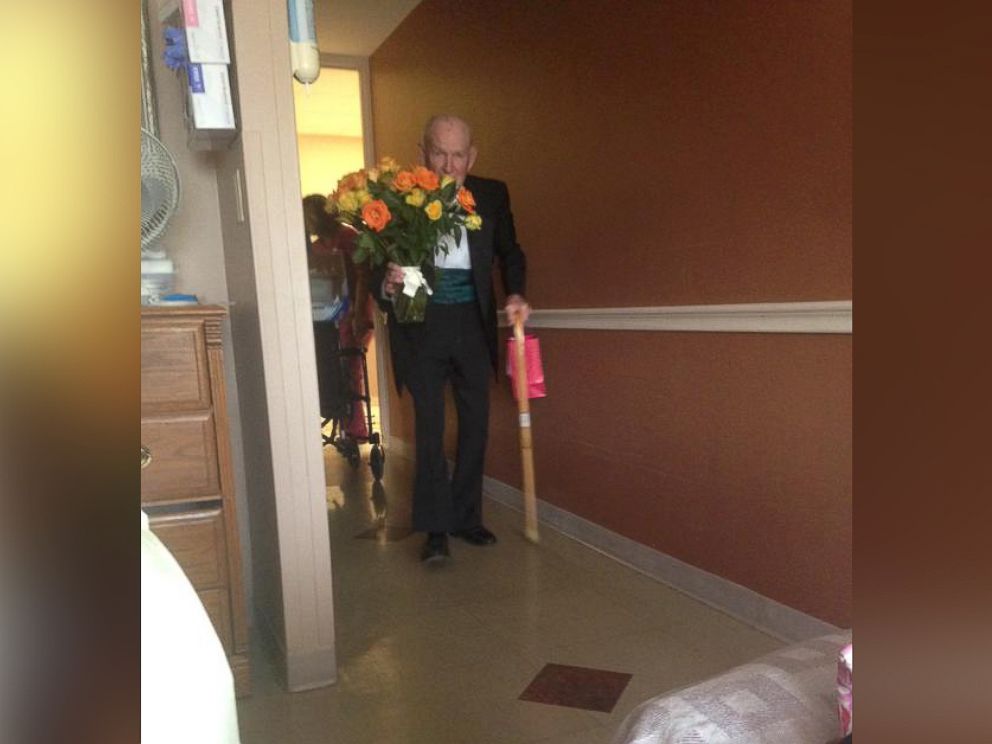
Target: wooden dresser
(188, 488)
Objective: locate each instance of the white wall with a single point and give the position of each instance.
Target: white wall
(195, 244)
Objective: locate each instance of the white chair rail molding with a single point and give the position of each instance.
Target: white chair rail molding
(833, 316)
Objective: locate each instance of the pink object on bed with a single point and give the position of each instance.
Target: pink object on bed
(785, 697)
(845, 689)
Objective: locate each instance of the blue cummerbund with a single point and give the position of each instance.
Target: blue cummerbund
(452, 286)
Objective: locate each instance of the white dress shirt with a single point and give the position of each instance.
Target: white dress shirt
(458, 256)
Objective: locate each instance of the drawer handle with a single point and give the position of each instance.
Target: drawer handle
(146, 457)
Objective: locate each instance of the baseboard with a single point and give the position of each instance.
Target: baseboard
(271, 643)
(311, 670)
(776, 619)
(297, 672)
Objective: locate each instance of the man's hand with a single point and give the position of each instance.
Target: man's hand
(516, 307)
(393, 282)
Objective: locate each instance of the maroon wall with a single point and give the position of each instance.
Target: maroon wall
(667, 153)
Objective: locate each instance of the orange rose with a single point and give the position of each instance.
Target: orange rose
(360, 180)
(404, 181)
(376, 214)
(352, 181)
(426, 178)
(466, 200)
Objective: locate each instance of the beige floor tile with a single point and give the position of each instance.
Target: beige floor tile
(441, 656)
(596, 735)
(538, 623)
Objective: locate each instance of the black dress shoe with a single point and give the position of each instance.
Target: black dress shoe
(477, 535)
(435, 548)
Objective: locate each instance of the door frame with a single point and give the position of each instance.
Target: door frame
(361, 66)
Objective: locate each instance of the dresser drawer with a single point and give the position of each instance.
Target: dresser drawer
(217, 603)
(174, 370)
(196, 540)
(184, 461)
(188, 487)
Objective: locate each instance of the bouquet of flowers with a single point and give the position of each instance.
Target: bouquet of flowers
(401, 215)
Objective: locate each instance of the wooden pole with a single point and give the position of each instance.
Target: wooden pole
(526, 449)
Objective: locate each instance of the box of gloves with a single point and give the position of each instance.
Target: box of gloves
(204, 26)
(208, 89)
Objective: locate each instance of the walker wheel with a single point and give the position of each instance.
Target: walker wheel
(377, 461)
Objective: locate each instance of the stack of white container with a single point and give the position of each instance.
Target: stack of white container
(157, 277)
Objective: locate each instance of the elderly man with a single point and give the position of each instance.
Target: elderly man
(456, 343)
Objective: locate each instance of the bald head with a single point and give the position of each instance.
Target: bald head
(447, 147)
(444, 122)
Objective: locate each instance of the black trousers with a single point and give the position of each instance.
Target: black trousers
(453, 350)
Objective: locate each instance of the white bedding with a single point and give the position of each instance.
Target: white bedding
(786, 697)
(187, 690)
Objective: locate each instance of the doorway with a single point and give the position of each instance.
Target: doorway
(333, 133)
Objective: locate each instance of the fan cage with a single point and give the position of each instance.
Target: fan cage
(160, 192)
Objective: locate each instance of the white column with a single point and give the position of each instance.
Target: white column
(279, 274)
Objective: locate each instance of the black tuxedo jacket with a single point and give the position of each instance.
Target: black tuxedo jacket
(495, 242)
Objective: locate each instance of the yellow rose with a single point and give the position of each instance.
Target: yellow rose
(363, 196)
(434, 209)
(445, 180)
(348, 202)
(389, 165)
(473, 222)
(416, 198)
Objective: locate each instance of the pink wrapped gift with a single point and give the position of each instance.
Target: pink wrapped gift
(532, 357)
(845, 689)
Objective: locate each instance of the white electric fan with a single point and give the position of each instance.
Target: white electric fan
(160, 194)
